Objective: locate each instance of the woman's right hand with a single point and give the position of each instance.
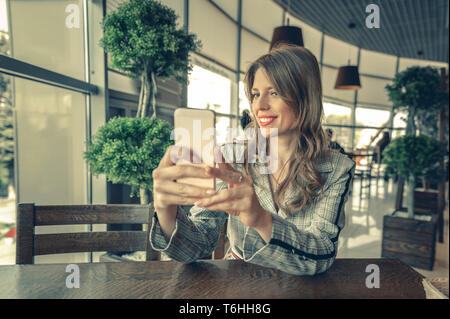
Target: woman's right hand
(168, 193)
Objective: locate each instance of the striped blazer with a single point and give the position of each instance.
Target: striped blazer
(302, 243)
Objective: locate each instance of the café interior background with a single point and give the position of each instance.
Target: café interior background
(45, 125)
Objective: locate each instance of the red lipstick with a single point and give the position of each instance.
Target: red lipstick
(265, 120)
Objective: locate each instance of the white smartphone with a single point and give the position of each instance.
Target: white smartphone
(195, 129)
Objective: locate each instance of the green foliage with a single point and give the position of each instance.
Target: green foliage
(4, 174)
(413, 156)
(418, 87)
(142, 37)
(3, 84)
(127, 150)
(6, 137)
(4, 45)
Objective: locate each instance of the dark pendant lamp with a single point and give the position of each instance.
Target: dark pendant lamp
(287, 34)
(348, 78)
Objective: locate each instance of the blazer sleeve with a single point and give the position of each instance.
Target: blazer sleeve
(194, 237)
(310, 250)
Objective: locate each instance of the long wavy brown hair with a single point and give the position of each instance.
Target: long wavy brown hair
(294, 73)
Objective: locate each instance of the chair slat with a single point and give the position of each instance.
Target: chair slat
(92, 214)
(113, 241)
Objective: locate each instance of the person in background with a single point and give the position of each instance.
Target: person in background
(333, 144)
(287, 217)
(245, 119)
(380, 146)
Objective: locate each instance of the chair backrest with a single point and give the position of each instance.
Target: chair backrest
(29, 216)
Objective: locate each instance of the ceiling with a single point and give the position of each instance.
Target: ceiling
(407, 28)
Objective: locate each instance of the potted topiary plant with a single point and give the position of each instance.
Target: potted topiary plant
(144, 42)
(127, 150)
(413, 157)
(417, 91)
(411, 238)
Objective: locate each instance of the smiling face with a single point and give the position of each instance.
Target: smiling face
(268, 107)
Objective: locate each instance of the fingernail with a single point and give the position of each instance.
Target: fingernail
(210, 192)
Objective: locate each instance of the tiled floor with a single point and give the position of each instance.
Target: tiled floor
(361, 237)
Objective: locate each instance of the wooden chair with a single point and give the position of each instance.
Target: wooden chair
(29, 216)
(363, 171)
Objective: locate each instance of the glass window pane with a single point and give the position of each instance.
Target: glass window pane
(51, 141)
(5, 91)
(369, 117)
(342, 135)
(6, 157)
(4, 43)
(243, 101)
(398, 133)
(400, 119)
(4, 34)
(223, 125)
(399, 122)
(363, 137)
(3, 17)
(337, 114)
(49, 34)
(209, 90)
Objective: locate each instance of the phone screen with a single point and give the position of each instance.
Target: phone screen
(195, 130)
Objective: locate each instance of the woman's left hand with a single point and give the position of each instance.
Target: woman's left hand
(238, 200)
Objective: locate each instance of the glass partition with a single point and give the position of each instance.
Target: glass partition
(209, 90)
(337, 117)
(375, 120)
(49, 34)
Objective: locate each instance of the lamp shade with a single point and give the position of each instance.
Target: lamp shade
(287, 34)
(348, 78)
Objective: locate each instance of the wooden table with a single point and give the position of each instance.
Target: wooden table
(219, 279)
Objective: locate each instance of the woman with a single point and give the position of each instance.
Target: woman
(289, 219)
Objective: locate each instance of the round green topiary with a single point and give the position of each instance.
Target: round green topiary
(127, 150)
